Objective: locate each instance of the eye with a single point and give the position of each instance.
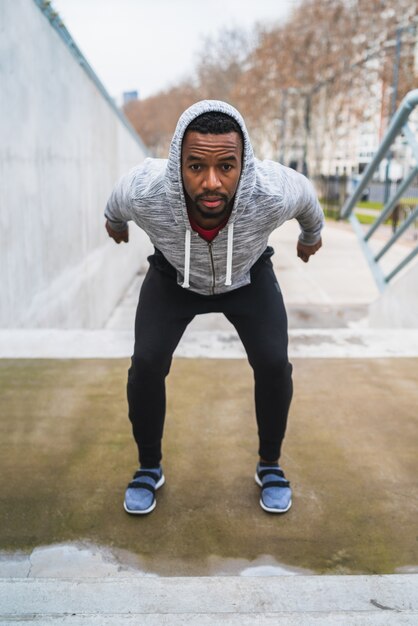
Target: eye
(226, 167)
(195, 167)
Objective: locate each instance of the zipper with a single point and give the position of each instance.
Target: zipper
(212, 266)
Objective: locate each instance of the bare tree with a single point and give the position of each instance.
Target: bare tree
(155, 118)
(303, 85)
(221, 63)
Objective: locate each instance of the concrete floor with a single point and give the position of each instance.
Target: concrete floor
(67, 454)
(70, 554)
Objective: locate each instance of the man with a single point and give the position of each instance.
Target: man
(209, 210)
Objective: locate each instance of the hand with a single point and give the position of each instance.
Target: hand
(117, 235)
(304, 251)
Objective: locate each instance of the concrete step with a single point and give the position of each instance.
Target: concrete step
(208, 343)
(377, 600)
(350, 618)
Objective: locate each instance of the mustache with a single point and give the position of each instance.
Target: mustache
(212, 196)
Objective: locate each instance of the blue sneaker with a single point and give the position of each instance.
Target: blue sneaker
(276, 494)
(140, 493)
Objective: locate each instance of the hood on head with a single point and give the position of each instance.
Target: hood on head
(173, 178)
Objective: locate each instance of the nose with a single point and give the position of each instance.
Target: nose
(211, 181)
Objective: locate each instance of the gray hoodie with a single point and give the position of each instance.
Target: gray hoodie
(268, 194)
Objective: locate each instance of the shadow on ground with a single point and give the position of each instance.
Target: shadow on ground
(67, 455)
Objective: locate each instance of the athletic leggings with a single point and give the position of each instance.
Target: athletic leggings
(164, 311)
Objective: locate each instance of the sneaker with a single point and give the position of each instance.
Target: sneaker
(140, 493)
(276, 494)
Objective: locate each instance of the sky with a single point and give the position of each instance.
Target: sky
(149, 45)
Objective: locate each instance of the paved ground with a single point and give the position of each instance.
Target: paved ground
(350, 452)
(66, 456)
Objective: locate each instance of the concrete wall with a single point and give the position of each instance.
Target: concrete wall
(62, 147)
(397, 307)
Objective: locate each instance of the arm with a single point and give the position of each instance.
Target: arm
(119, 208)
(308, 212)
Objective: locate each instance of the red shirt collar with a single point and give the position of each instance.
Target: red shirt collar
(208, 234)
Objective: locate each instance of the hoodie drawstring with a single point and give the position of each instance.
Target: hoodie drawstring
(229, 255)
(186, 284)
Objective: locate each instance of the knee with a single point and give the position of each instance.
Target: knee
(148, 365)
(272, 364)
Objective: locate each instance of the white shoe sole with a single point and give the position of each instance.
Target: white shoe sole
(267, 508)
(159, 484)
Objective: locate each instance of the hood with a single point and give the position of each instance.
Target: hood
(173, 180)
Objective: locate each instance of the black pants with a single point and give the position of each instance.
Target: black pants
(164, 311)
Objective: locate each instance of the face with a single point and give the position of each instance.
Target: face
(211, 166)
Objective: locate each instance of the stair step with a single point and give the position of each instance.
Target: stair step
(212, 600)
(314, 343)
(349, 618)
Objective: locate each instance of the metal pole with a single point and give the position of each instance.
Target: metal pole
(307, 131)
(393, 105)
(283, 113)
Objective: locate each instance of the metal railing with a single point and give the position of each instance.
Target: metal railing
(397, 126)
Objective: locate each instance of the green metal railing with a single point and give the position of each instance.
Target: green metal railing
(398, 125)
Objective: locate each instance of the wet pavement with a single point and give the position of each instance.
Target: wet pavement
(350, 452)
(67, 453)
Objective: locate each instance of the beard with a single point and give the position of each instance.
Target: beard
(221, 211)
